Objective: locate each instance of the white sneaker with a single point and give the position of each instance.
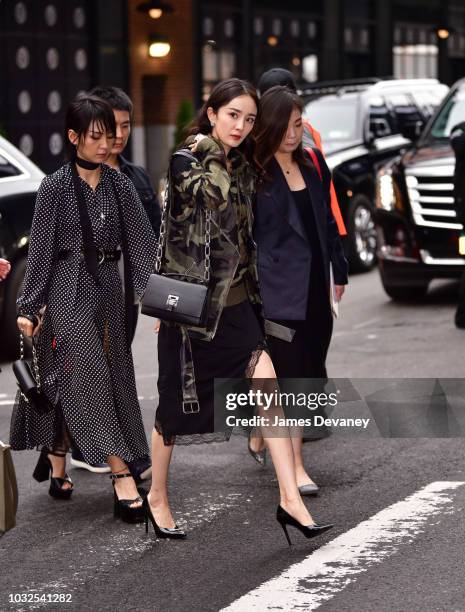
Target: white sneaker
(100, 468)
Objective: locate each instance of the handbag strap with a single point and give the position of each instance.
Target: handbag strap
(163, 225)
(128, 282)
(88, 243)
(315, 161)
(35, 359)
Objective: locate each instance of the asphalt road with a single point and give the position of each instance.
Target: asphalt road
(227, 502)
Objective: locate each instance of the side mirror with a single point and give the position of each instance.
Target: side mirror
(412, 130)
(380, 127)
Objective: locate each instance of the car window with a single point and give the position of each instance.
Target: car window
(7, 169)
(336, 118)
(452, 113)
(427, 100)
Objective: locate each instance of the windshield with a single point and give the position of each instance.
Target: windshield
(452, 113)
(337, 119)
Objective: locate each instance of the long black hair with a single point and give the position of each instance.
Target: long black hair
(221, 95)
(82, 112)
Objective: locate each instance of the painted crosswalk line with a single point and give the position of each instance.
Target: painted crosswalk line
(323, 574)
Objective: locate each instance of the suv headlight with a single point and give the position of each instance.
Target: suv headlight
(385, 194)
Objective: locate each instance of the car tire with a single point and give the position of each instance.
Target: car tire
(406, 294)
(361, 241)
(10, 331)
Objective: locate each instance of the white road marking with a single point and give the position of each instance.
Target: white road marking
(9, 402)
(365, 323)
(323, 574)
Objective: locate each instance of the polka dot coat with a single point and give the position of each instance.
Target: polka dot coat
(86, 369)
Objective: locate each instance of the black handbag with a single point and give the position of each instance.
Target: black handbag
(180, 298)
(28, 380)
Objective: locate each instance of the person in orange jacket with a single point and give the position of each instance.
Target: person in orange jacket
(312, 138)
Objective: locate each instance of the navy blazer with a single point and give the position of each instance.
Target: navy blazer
(284, 252)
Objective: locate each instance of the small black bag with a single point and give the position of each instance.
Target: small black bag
(171, 299)
(179, 298)
(29, 382)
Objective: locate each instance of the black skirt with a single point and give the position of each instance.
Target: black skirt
(232, 353)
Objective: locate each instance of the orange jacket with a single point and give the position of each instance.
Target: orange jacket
(312, 136)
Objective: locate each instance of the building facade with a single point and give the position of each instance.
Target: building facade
(52, 49)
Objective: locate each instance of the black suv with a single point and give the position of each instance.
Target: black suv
(19, 182)
(417, 225)
(364, 124)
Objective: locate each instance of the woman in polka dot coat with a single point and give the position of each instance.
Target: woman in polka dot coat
(73, 294)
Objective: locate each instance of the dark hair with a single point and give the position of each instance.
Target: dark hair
(115, 96)
(276, 76)
(81, 113)
(222, 94)
(276, 106)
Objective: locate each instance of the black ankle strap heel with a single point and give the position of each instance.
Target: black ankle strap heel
(43, 471)
(123, 508)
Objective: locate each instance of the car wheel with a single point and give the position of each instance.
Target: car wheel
(406, 294)
(10, 331)
(361, 239)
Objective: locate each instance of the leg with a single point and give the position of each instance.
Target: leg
(282, 455)
(158, 494)
(61, 447)
(301, 474)
(125, 487)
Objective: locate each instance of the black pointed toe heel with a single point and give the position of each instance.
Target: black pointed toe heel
(123, 508)
(43, 471)
(309, 531)
(259, 456)
(174, 533)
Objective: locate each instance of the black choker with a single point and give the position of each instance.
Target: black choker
(87, 165)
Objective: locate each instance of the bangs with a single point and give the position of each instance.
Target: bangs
(97, 113)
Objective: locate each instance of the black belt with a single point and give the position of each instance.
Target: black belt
(102, 255)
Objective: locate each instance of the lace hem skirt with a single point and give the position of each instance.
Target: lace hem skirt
(233, 353)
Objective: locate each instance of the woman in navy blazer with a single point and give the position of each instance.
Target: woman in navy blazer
(297, 242)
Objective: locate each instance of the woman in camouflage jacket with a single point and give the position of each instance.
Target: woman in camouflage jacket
(214, 175)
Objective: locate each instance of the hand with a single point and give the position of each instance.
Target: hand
(197, 139)
(156, 327)
(25, 326)
(5, 268)
(339, 292)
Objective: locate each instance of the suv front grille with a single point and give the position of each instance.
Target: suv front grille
(431, 193)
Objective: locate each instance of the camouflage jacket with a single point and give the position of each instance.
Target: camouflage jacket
(203, 182)
(198, 182)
